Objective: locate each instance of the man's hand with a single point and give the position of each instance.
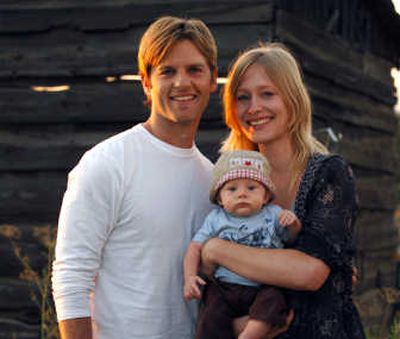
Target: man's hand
(191, 289)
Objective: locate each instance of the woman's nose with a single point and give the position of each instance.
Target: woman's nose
(254, 105)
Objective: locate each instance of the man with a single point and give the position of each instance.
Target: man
(134, 201)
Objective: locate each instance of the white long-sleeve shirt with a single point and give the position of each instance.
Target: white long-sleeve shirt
(131, 207)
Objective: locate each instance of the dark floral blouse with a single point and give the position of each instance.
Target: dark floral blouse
(326, 204)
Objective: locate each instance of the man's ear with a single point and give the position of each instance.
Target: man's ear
(146, 84)
(214, 77)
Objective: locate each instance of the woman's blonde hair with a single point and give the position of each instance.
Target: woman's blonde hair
(285, 73)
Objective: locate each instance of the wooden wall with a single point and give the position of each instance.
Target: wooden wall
(353, 93)
(81, 43)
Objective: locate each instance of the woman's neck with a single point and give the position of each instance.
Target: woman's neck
(280, 155)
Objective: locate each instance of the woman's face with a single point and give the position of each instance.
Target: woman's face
(260, 109)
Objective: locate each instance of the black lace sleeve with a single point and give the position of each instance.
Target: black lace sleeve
(330, 211)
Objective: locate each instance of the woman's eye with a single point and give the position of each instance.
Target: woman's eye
(242, 97)
(267, 93)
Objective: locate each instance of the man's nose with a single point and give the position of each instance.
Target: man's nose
(181, 79)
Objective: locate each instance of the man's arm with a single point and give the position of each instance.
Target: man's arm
(87, 216)
(76, 328)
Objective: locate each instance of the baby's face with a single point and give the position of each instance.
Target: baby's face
(243, 197)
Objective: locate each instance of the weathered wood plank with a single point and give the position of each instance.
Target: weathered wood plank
(31, 197)
(15, 294)
(99, 102)
(378, 68)
(375, 230)
(12, 328)
(37, 196)
(20, 241)
(85, 102)
(377, 193)
(366, 151)
(377, 268)
(121, 15)
(35, 148)
(209, 142)
(44, 149)
(328, 57)
(36, 155)
(66, 52)
(10, 265)
(337, 104)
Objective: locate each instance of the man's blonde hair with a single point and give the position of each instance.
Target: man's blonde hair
(285, 73)
(162, 35)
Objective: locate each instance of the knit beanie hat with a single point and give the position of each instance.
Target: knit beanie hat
(240, 165)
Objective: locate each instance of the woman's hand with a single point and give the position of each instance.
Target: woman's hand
(354, 277)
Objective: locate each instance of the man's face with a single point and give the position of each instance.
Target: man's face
(180, 86)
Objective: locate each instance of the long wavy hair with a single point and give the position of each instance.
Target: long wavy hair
(285, 73)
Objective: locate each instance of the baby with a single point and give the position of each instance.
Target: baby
(242, 190)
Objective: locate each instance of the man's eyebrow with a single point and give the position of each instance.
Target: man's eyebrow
(198, 65)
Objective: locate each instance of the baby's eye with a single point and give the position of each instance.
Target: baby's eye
(231, 189)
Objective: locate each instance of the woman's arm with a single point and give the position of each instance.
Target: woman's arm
(286, 268)
(325, 242)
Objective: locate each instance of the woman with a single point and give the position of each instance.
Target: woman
(267, 108)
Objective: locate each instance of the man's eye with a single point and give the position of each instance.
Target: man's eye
(166, 71)
(195, 69)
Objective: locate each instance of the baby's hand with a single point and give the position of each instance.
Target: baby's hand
(191, 290)
(287, 218)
